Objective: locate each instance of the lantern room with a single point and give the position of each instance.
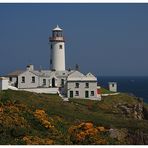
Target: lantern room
(57, 35)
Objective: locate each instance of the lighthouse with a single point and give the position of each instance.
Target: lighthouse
(57, 50)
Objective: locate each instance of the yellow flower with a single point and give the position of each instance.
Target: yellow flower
(43, 118)
(88, 125)
(49, 141)
(92, 131)
(101, 129)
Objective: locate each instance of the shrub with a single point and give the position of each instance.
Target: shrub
(1, 128)
(18, 132)
(86, 133)
(37, 140)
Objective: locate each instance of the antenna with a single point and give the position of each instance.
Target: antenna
(77, 67)
(40, 69)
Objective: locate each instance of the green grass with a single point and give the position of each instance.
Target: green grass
(105, 91)
(103, 112)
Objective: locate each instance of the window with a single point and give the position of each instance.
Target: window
(50, 61)
(51, 46)
(86, 85)
(10, 79)
(44, 81)
(71, 94)
(33, 79)
(92, 93)
(77, 93)
(60, 46)
(23, 79)
(77, 85)
(113, 85)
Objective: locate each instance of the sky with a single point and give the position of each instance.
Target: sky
(105, 39)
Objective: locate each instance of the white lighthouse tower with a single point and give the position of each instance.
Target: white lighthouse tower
(57, 47)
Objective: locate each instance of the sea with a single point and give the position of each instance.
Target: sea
(136, 85)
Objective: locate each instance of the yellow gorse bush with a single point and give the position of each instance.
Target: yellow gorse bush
(43, 118)
(84, 131)
(36, 140)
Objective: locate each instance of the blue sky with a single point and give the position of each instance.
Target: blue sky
(106, 39)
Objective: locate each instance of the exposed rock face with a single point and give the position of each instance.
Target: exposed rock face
(137, 137)
(132, 110)
(125, 136)
(145, 113)
(119, 134)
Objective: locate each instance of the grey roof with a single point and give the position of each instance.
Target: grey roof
(48, 73)
(78, 76)
(16, 73)
(43, 73)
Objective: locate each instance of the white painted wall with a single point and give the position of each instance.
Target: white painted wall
(43, 90)
(113, 86)
(4, 83)
(81, 89)
(28, 80)
(58, 56)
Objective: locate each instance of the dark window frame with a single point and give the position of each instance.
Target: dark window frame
(77, 85)
(10, 78)
(76, 93)
(92, 93)
(60, 46)
(44, 81)
(50, 61)
(33, 79)
(86, 85)
(62, 82)
(23, 79)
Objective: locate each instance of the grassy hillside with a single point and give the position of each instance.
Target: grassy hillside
(30, 118)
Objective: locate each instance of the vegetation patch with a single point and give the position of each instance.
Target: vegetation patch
(31, 118)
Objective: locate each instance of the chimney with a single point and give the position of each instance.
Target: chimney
(30, 67)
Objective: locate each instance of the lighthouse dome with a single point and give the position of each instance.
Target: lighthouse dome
(57, 28)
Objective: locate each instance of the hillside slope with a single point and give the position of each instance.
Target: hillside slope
(30, 118)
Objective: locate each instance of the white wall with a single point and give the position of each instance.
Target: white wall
(0, 84)
(113, 86)
(28, 80)
(82, 89)
(43, 90)
(58, 56)
(4, 83)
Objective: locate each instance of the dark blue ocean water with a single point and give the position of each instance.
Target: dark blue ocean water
(137, 86)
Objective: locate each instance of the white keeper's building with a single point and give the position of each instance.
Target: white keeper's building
(68, 83)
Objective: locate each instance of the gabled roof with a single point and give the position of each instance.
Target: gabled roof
(16, 73)
(91, 76)
(78, 76)
(75, 74)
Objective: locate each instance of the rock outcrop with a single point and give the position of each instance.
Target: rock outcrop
(131, 110)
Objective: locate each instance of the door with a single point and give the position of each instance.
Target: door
(71, 94)
(16, 84)
(53, 82)
(86, 94)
